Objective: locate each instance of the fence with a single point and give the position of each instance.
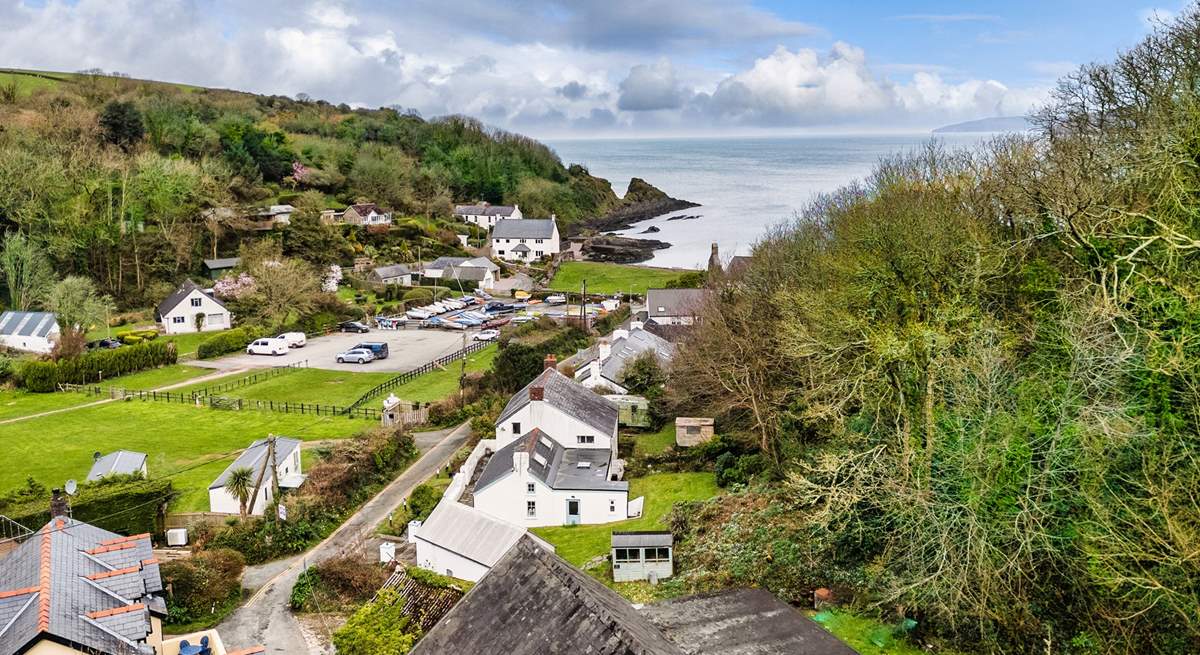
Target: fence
(407, 376)
(247, 380)
(228, 403)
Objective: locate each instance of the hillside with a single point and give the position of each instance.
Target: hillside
(114, 177)
(995, 124)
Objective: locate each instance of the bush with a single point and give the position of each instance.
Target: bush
(421, 502)
(7, 368)
(738, 469)
(227, 342)
(131, 339)
(203, 585)
(122, 504)
(95, 366)
(378, 627)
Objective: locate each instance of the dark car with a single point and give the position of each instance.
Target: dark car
(105, 343)
(377, 348)
(354, 326)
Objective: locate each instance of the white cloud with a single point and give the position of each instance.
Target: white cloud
(651, 88)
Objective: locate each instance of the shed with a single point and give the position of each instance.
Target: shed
(632, 411)
(119, 462)
(34, 332)
(691, 431)
(221, 265)
(642, 556)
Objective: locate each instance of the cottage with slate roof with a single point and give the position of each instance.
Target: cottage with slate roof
(438, 268)
(556, 459)
(192, 309)
(604, 366)
(526, 240)
(486, 215)
(286, 474)
(675, 306)
(366, 213)
(393, 274)
(33, 332)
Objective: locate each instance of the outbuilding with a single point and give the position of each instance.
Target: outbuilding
(286, 474)
(33, 332)
(642, 556)
(463, 542)
(693, 431)
(118, 462)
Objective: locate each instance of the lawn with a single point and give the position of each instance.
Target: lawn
(653, 443)
(19, 402)
(312, 385)
(867, 635)
(579, 543)
(185, 344)
(437, 385)
(611, 278)
(193, 443)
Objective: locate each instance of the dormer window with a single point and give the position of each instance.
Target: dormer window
(585, 439)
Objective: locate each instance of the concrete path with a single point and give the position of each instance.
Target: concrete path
(265, 617)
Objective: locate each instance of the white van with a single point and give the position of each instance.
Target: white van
(293, 339)
(267, 347)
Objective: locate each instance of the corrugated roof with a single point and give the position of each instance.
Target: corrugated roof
(524, 228)
(27, 324)
(251, 457)
(642, 539)
(469, 532)
(471, 273)
(120, 462)
(675, 302)
(569, 397)
(484, 210)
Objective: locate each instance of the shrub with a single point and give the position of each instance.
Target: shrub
(131, 339)
(6, 368)
(121, 504)
(203, 585)
(421, 502)
(377, 627)
(227, 342)
(95, 366)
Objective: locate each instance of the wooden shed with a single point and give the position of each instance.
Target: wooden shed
(642, 556)
(692, 431)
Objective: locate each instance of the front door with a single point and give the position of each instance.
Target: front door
(572, 512)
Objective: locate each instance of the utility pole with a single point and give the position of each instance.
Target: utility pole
(262, 472)
(462, 376)
(583, 307)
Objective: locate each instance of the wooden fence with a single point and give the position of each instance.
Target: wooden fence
(229, 403)
(407, 376)
(253, 378)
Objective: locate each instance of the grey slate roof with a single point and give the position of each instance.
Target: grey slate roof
(484, 210)
(534, 603)
(521, 248)
(553, 465)
(642, 539)
(629, 348)
(27, 324)
(465, 262)
(569, 397)
(471, 273)
(177, 296)
(675, 302)
(81, 586)
(252, 457)
(395, 270)
(118, 462)
(469, 532)
(524, 228)
(742, 622)
(222, 262)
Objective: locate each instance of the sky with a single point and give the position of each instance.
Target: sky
(582, 68)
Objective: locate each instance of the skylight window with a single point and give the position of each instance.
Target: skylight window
(583, 465)
(537, 457)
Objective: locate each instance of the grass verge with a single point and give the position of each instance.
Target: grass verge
(611, 278)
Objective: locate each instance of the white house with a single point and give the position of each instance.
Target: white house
(365, 213)
(285, 474)
(437, 268)
(675, 306)
(486, 215)
(603, 365)
(525, 240)
(120, 462)
(34, 332)
(278, 215)
(483, 278)
(463, 542)
(192, 309)
(556, 459)
(394, 274)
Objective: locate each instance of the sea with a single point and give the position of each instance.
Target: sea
(744, 185)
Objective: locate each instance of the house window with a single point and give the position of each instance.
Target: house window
(627, 555)
(196, 302)
(500, 253)
(516, 428)
(585, 438)
(178, 319)
(538, 253)
(531, 508)
(529, 488)
(658, 554)
(537, 240)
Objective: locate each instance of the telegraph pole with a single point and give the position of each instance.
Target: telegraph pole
(583, 306)
(262, 472)
(462, 375)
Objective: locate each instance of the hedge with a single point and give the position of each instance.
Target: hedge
(124, 504)
(96, 366)
(226, 342)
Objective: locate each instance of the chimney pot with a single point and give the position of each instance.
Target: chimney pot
(551, 362)
(58, 503)
(537, 393)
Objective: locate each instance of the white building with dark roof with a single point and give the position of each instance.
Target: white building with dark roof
(465, 543)
(286, 474)
(393, 274)
(486, 215)
(526, 240)
(675, 306)
(192, 309)
(603, 366)
(437, 268)
(34, 332)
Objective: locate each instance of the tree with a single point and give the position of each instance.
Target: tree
(240, 483)
(121, 124)
(380, 626)
(643, 374)
(305, 237)
(78, 306)
(26, 271)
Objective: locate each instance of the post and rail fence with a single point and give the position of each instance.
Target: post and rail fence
(427, 367)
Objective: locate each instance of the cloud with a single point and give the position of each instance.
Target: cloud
(949, 18)
(651, 88)
(573, 90)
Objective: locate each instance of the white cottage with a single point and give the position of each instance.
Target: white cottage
(192, 309)
(526, 240)
(34, 332)
(465, 543)
(286, 474)
(486, 215)
(603, 366)
(676, 306)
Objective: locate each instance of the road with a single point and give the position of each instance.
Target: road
(265, 617)
(407, 349)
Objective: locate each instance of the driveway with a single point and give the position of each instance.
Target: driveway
(265, 617)
(407, 349)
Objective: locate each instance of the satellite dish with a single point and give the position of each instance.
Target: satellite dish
(71, 487)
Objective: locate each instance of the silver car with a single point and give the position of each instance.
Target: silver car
(356, 356)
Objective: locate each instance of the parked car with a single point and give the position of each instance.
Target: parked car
(378, 348)
(267, 346)
(355, 356)
(294, 339)
(107, 344)
(354, 326)
(486, 335)
(556, 299)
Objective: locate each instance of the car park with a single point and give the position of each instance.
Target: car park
(267, 346)
(294, 339)
(355, 356)
(486, 335)
(353, 326)
(379, 349)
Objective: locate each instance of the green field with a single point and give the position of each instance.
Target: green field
(653, 443)
(18, 402)
(440, 384)
(611, 278)
(312, 385)
(177, 438)
(26, 84)
(579, 543)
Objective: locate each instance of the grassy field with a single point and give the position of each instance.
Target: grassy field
(18, 402)
(865, 634)
(440, 384)
(193, 443)
(26, 84)
(611, 278)
(653, 443)
(313, 385)
(580, 543)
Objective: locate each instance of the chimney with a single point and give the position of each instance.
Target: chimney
(604, 347)
(537, 393)
(551, 362)
(58, 504)
(636, 325)
(96, 456)
(620, 333)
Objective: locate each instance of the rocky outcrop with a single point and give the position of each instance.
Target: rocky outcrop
(621, 250)
(643, 201)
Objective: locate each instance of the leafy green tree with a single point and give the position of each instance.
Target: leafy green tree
(643, 374)
(77, 303)
(121, 124)
(27, 271)
(306, 238)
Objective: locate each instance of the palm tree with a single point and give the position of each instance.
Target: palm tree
(241, 484)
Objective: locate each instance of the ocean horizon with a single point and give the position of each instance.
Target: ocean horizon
(745, 185)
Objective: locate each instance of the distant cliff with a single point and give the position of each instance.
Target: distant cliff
(643, 201)
(994, 124)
